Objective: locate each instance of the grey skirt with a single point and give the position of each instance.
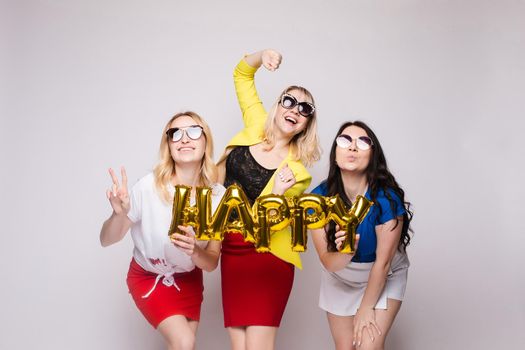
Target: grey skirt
(342, 291)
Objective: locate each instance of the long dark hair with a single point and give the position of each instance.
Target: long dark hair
(378, 178)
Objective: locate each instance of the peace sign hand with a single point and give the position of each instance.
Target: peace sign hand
(118, 194)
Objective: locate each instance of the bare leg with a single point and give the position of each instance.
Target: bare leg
(179, 332)
(260, 337)
(341, 328)
(237, 337)
(252, 337)
(385, 319)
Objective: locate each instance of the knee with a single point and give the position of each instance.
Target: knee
(260, 337)
(186, 342)
(377, 344)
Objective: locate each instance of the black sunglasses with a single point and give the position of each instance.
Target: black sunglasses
(194, 132)
(306, 109)
(362, 142)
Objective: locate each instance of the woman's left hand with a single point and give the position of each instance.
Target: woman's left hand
(365, 321)
(284, 179)
(187, 241)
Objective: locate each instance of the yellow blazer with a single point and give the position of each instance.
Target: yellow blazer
(254, 116)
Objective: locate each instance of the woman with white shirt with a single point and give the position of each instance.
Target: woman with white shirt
(165, 275)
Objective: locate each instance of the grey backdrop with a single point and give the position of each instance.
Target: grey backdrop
(86, 85)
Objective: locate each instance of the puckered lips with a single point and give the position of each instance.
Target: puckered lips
(351, 158)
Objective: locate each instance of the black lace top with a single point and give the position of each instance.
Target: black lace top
(243, 170)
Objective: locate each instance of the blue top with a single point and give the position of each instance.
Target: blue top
(366, 248)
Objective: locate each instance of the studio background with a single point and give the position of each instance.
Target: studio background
(88, 85)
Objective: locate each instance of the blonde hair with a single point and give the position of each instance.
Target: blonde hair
(305, 145)
(165, 168)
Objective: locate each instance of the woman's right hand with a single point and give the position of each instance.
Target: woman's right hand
(340, 237)
(118, 195)
(271, 59)
(185, 241)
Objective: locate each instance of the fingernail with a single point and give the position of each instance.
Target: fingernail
(353, 343)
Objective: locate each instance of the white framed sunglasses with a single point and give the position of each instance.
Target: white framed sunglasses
(364, 143)
(193, 132)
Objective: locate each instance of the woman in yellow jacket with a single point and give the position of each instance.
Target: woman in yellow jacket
(268, 156)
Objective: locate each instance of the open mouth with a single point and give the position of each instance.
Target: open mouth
(291, 120)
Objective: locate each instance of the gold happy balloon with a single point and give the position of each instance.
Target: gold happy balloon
(269, 213)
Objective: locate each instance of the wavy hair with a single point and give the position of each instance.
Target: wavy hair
(378, 177)
(165, 168)
(305, 145)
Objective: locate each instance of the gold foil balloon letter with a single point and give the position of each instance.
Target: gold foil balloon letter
(272, 214)
(234, 198)
(181, 201)
(348, 220)
(308, 212)
(203, 214)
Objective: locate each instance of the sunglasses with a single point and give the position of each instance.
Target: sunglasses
(306, 109)
(362, 142)
(193, 132)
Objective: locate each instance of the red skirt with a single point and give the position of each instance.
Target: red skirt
(166, 301)
(255, 286)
